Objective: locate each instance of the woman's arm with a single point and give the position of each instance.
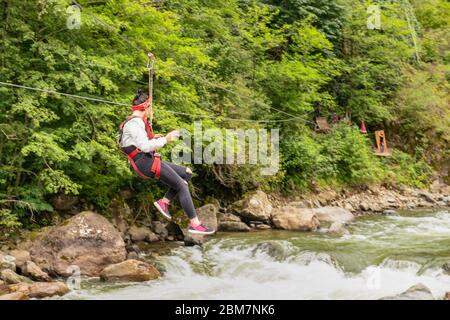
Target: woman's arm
(141, 140)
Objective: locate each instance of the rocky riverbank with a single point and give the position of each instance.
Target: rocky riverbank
(88, 244)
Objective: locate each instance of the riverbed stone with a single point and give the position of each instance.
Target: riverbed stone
(160, 229)
(21, 256)
(87, 240)
(333, 214)
(10, 277)
(31, 270)
(40, 290)
(292, 218)
(8, 262)
(13, 296)
(338, 228)
(141, 233)
(234, 226)
(208, 215)
(255, 206)
(130, 270)
(389, 212)
(416, 292)
(228, 217)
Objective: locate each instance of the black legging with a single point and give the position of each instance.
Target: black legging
(173, 176)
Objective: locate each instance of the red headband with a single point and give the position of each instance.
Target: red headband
(141, 107)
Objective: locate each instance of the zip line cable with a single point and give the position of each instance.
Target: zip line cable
(137, 47)
(74, 96)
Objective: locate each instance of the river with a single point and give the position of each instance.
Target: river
(381, 256)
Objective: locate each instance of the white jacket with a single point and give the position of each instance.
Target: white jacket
(134, 134)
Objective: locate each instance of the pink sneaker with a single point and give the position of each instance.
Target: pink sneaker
(163, 208)
(200, 229)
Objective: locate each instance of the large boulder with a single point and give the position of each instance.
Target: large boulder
(416, 292)
(208, 215)
(333, 214)
(292, 218)
(130, 270)
(255, 206)
(87, 240)
(236, 226)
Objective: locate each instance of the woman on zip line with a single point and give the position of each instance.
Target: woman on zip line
(138, 142)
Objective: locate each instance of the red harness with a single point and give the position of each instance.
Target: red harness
(131, 151)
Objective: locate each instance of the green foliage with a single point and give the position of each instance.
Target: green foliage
(240, 59)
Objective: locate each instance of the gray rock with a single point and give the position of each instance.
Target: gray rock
(31, 270)
(130, 270)
(228, 217)
(338, 228)
(233, 226)
(208, 215)
(64, 202)
(40, 290)
(291, 218)
(132, 256)
(263, 226)
(416, 292)
(389, 212)
(140, 233)
(446, 267)
(333, 214)
(255, 206)
(10, 277)
(160, 229)
(274, 249)
(87, 240)
(8, 262)
(21, 257)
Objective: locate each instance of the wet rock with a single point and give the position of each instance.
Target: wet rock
(233, 226)
(31, 270)
(273, 249)
(14, 296)
(291, 218)
(255, 206)
(389, 212)
(10, 277)
(193, 240)
(21, 256)
(447, 296)
(87, 240)
(130, 270)
(208, 215)
(142, 234)
(338, 228)
(446, 267)
(416, 292)
(160, 229)
(333, 214)
(263, 226)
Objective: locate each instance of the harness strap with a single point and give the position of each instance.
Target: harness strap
(156, 167)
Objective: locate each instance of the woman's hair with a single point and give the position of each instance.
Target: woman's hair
(140, 97)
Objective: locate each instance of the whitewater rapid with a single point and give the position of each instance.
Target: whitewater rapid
(382, 256)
